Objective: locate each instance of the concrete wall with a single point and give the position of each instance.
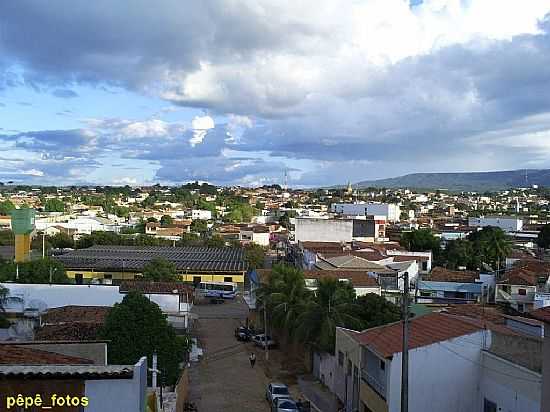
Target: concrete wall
(508, 224)
(124, 395)
(45, 296)
(323, 230)
(442, 377)
(94, 351)
(521, 350)
(512, 387)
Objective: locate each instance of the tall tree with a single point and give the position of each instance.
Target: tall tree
(54, 205)
(254, 255)
(374, 310)
(160, 269)
(421, 240)
(34, 271)
(332, 306)
(137, 327)
(166, 220)
(543, 239)
(285, 295)
(61, 240)
(6, 207)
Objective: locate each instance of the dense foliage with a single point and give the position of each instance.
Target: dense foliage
(137, 327)
(254, 255)
(6, 207)
(160, 270)
(312, 316)
(34, 271)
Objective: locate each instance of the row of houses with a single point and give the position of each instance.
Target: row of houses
(456, 363)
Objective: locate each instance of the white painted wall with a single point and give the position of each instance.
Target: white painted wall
(199, 214)
(512, 387)
(323, 230)
(124, 395)
(442, 377)
(506, 223)
(54, 296)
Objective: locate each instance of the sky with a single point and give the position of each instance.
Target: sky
(242, 92)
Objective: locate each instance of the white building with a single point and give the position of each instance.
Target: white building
(199, 214)
(390, 210)
(368, 229)
(506, 223)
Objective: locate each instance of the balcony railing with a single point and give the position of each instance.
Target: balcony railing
(515, 297)
(374, 383)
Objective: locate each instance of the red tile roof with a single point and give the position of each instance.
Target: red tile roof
(527, 272)
(163, 288)
(19, 355)
(74, 331)
(424, 330)
(542, 314)
(477, 311)
(439, 274)
(74, 313)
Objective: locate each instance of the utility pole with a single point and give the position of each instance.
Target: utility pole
(266, 346)
(43, 244)
(154, 379)
(405, 353)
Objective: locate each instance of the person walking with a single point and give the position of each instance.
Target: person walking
(252, 359)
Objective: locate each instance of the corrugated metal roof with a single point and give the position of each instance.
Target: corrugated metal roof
(82, 371)
(199, 259)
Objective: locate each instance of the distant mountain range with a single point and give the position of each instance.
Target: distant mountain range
(468, 181)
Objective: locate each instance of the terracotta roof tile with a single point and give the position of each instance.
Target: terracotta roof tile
(74, 313)
(439, 274)
(154, 287)
(74, 331)
(424, 330)
(19, 355)
(542, 314)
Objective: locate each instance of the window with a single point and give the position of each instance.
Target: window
(522, 292)
(382, 365)
(340, 358)
(349, 368)
(489, 406)
(424, 265)
(228, 279)
(78, 278)
(196, 280)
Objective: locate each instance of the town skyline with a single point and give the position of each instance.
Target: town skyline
(237, 93)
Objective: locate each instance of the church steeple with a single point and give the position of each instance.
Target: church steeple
(349, 190)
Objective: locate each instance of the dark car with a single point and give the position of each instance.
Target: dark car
(242, 333)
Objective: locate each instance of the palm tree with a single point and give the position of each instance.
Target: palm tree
(498, 246)
(332, 306)
(284, 296)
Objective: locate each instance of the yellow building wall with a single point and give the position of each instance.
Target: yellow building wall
(22, 247)
(101, 275)
(370, 398)
(212, 278)
(88, 275)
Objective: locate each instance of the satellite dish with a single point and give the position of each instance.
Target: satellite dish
(37, 304)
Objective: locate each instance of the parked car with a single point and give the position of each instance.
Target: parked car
(242, 333)
(262, 340)
(276, 390)
(284, 405)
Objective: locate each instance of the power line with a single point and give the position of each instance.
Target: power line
(487, 368)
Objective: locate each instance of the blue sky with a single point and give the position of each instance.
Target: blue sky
(238, 92)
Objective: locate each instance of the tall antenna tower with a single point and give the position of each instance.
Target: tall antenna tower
(285, 180)
(526, 180)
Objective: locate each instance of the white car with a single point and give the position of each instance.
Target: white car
(262, 340)
(275, 391)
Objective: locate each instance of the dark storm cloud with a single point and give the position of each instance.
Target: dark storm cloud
(65, 93)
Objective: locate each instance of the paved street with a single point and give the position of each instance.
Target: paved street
(224, 380)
